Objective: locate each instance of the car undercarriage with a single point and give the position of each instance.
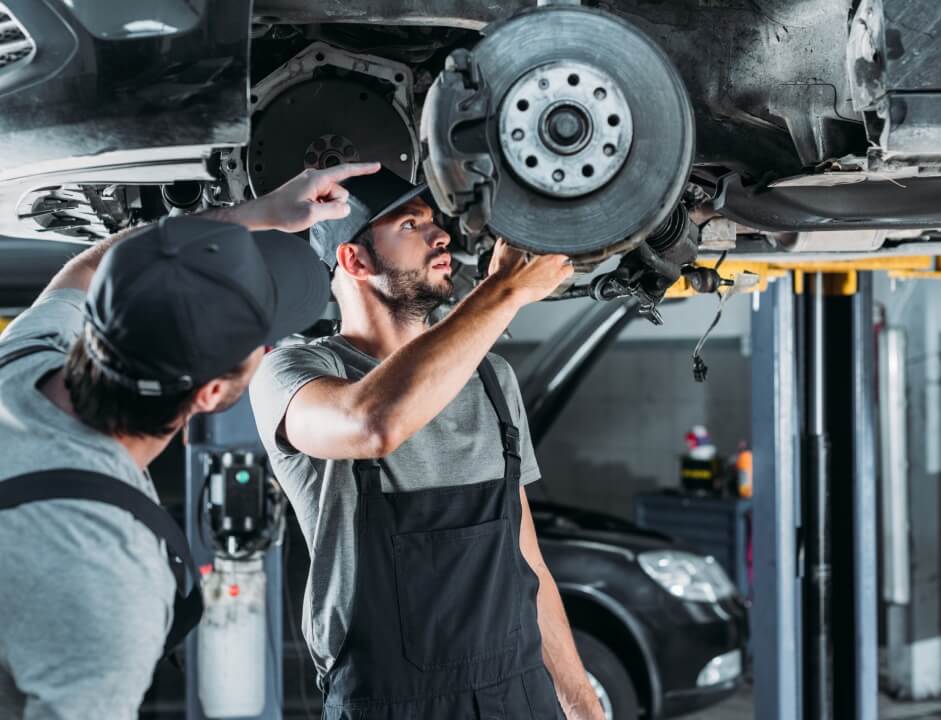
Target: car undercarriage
(649, 132)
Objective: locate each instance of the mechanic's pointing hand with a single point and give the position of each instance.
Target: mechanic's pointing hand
(310, 198)
(533, 277)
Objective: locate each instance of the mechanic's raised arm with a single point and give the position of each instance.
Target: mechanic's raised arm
(311, 197)
(334, 418)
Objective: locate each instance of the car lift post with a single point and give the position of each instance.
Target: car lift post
(865, 506)
(850, 394)
(816, 511)
(788, 638)
(775, 621)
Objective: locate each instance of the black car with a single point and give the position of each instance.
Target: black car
(661, 630)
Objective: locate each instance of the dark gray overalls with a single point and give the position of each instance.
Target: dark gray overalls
(444, 613)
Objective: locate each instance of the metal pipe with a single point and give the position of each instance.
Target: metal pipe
(893, 431)
(816, 635)
(182, 194)
(865, 591)
(815, 376)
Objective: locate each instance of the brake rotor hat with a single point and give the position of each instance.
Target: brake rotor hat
(185, 300)
(371, 198)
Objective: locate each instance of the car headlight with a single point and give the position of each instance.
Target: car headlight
(721, 669)
(687, 576)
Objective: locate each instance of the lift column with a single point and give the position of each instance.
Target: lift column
(814, 617)
(775, 611)
(815, 528)
(849, 344)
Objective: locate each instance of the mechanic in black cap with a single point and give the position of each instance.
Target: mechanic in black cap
(129, 339)
(404, 449)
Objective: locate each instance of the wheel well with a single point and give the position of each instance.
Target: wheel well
(590, 617)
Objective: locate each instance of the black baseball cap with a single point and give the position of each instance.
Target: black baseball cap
(371, 198)
(184, 300)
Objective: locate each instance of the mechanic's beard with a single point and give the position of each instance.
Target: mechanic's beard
(407, 294)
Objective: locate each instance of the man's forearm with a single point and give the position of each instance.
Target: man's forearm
(560, 655)
(242, 214)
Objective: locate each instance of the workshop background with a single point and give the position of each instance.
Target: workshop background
(766, 544)
(625, 425)
(622, 435)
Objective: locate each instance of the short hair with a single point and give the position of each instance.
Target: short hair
(368, 241)
(364, 237)
(112, 408)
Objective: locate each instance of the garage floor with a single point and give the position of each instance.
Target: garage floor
(739, 707)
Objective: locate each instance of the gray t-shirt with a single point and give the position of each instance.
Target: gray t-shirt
(460, 446)
(85, 590)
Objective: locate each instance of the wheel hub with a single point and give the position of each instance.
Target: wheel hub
(565, 128)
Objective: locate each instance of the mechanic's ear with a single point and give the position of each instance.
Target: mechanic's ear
(355, 261)
(209, 396)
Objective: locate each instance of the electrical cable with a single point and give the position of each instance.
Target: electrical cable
(700, 369)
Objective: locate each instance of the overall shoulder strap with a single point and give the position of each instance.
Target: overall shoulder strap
(68, 484)
(368, 477)
(39, 345)
(509, 433)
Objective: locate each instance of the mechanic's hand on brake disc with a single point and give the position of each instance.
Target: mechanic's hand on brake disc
(310, 198)
(533, 277)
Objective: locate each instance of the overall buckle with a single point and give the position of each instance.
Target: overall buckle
(511, 440)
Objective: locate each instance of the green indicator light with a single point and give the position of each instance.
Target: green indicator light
(242, 476)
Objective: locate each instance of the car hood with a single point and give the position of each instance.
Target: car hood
(562, 522)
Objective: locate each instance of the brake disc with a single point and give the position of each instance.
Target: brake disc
(565, 129)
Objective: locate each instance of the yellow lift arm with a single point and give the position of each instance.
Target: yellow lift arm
(840, 274)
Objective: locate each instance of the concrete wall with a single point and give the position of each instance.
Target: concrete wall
(622, 432)
(682, 320)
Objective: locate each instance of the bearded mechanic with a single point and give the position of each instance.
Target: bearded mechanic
(132, 337)
(405, 451)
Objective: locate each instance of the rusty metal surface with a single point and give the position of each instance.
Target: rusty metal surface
(752, 66)
(894, 61)
(870, 204)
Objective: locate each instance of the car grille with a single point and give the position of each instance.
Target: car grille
(15, 45)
